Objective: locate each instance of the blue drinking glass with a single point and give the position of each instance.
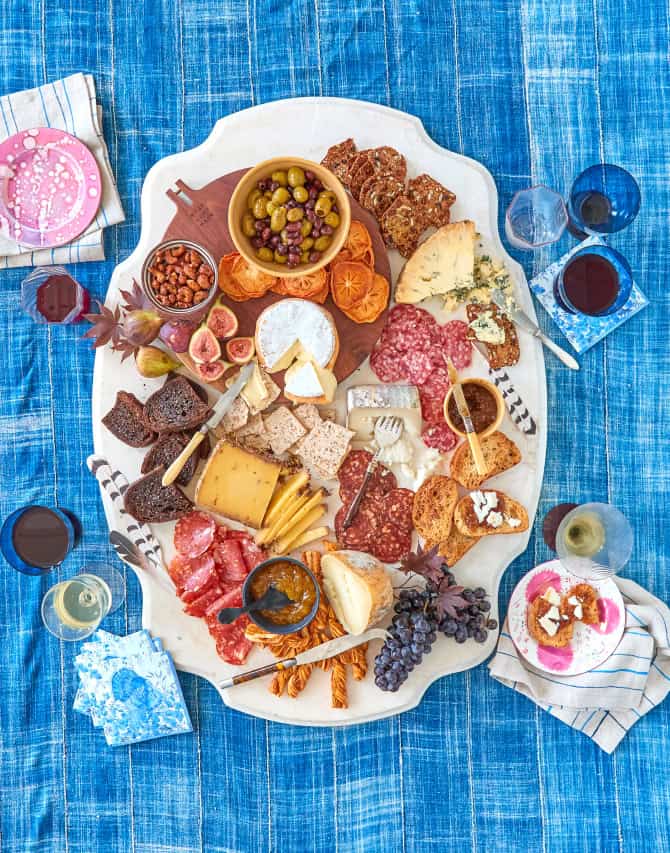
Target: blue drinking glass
(603, 199)
(621, 270)
(35, 539)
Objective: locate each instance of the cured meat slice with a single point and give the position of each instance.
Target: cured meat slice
(418, 366)
(456, 344)
(199, 605)
(391, 544)
(230, 562)
(179, 569)
(432, 408)
(362, 529)
(398, 508)
(410, 314)
(406, 338)
(352, 471)
(187, 596)
(437, 383)
(386, 363)
(379, 192)
(251, 553)
(203, 571)
(440, 437)
(232, 646)
(194, 533)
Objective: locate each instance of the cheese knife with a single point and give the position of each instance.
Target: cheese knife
(221, 406)
(518, 411)
(322, 652)
(523, 321)
(464, 412)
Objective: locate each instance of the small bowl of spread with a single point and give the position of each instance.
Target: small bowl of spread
(485, 403)
(295, 580)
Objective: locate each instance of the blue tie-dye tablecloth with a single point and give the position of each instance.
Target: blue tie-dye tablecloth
(536, 90)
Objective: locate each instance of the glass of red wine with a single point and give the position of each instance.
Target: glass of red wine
(596, 280)
(36, 539)
(604, 198)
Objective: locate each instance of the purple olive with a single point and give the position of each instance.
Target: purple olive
(274, 240)
(314, 256)
(318, 221)
(297, 240)
(266, 233)
(274, 185)
(256, 242)
(282, 249)
(326, 229)
(334, 209)
(291, 203)
(262, 186)
(313, 193)
(258, 225)
(309, 175)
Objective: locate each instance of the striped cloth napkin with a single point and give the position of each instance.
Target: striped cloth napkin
(69, 105)
(605, 702)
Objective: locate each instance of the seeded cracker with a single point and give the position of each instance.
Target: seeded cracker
(283, 430)
(432, 199)
(308, 415)
(379, 192)
(325, 447)
(253, 434)
(339, 157)
(236, 417)
(361, 169)
(401, 226)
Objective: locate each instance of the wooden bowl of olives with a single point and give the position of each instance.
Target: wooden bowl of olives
(289, 217)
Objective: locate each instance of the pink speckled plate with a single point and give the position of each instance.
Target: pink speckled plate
(50, 187)
(590, 646)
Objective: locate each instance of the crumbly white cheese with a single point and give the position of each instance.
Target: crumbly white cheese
(576, 603)
(298, 327)
(483, 503)
(512, 522)
(552, 596)
(487, 330)
(550, 621)
(494, 519)
(399, 453)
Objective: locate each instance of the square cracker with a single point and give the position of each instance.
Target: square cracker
(236, 416)
(325, 447)
(308, 415)
(283, 430)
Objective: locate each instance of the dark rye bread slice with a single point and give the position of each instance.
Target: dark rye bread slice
(148, 501)
(167, 449)
(175, 407)
(126, 421)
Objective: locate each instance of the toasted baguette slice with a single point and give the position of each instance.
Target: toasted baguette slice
(455, 546)
(469, 525)
(500, 454)
(588, 598)
(433, 508)
(536, 610)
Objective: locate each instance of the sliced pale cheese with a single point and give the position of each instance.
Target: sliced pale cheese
(358, 588)
(366, 403)
(309, 536)
(254, 392)
(301, 512)
(283, 493)
(269, 534)
(284, 545)
(237, 484)
(295, 329)
(307, 380)
(443, 263)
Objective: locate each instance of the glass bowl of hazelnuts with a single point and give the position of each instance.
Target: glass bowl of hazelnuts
(180, 277)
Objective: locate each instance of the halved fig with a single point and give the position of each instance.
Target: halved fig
(240, 350)
(204, 347)
(212, 370)
(222, 320)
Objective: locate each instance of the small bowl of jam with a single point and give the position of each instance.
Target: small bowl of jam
(295, 580)
(486, 405)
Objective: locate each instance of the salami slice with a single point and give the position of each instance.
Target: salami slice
(351, 476)
(418, 366)
(233, 647)
(411, 315)
(406, 338)
(386, 363)
(230, 561)
(432, 408)
(456, 343)
(194, 533)
(391, 544)
(362, 529)
(203, 572)
(198, 606)
(437, 383)
(398, 508)
(440, 437)
(251, 553)
(179, 570)
(187, 596)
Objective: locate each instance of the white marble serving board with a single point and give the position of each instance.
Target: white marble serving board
(305, 127)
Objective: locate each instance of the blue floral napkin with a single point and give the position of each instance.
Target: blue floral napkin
(129, 688)
(581, 330)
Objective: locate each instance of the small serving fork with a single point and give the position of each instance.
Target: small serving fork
(388, 430)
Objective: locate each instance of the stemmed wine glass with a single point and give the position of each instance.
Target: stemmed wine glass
(74, 608)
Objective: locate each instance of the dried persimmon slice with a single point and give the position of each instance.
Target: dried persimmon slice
(349, 282)
(253, 281)
(372, 303)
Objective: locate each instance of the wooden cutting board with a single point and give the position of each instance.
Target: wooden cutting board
(202, 216)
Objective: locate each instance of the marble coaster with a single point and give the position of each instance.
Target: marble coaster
(582, 331)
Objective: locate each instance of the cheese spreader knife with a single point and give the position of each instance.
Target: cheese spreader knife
(523, 321)
(326, 650)
(221, 406)
(518, 411)
(464, 412)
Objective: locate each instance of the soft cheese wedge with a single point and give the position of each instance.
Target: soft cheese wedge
(295, 330)
(442, 264)
(306, 382)
(358, 588)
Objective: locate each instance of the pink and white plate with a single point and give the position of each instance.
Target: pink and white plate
(50, 188)
(591, 645)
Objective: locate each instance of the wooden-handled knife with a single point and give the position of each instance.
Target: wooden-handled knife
(464, 412)
(221, 406)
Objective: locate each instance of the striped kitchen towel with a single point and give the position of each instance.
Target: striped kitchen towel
(605, 702)
(70, 105)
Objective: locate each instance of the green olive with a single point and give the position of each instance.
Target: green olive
(281, 178)
(284, 235)
(251, 198)
(248, 225)
(322, 206)
(332, 219)
(295, 214)
(281, 195)
(304, 257)
(329, 194)
(278, 220)
(268, 194)
(306, 227)
(322, 243)
(260, 208)
(280, 259)
(296, 176)
(300, 194)
(307, 243)
(265, 254)
(271, 207)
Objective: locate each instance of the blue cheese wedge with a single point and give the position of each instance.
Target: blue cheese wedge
(443, 264)
(366, 403)
(486, 329)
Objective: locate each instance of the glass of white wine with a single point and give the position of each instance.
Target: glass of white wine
(73, 609)
(594, 541)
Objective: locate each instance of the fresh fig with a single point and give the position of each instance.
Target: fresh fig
(212, 370)
(222, 320)
(240, 350)
(177, 334)
(140, 327)
(152, 362)
(204, 347)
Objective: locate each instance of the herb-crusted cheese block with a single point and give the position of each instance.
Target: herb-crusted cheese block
(443, 263)
(295, 329)
(358, 588)
(237, 483)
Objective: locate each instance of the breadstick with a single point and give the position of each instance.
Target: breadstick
(338, 685)
(299, 678)
(279, 682)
